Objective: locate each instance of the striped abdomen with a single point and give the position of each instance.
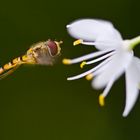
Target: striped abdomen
(15, 63)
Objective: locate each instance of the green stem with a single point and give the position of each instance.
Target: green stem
(135, 41)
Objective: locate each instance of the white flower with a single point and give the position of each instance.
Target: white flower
(116, 56)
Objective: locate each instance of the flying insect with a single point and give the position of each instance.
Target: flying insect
(42, 53)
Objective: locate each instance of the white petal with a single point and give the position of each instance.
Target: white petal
(108, 87)
(137, 62)
(101, 32)
(114, 68)
(132, 83)
(89, 56)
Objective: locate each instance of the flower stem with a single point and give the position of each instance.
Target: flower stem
(135, 41)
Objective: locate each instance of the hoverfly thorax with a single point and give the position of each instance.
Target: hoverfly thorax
(46, 52)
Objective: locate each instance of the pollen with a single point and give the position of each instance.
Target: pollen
(89, 77)
(82, 64)
(77, 42)
(101, 100)
(66, 61)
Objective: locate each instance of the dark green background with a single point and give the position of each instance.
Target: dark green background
(36, 102)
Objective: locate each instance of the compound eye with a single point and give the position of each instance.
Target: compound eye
(53, 48)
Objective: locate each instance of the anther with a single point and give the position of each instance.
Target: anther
(101, 100)
(89, 77)
(66, 61)
(77, 42)
(82, 64)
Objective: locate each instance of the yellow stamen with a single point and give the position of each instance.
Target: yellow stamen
(66, 61)
(82, 64)
(101, 100)
(77, 42)
(89, 77)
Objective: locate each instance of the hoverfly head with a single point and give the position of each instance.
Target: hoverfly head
(54, 47)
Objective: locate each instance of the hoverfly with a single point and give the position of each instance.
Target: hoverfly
(42, 53)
